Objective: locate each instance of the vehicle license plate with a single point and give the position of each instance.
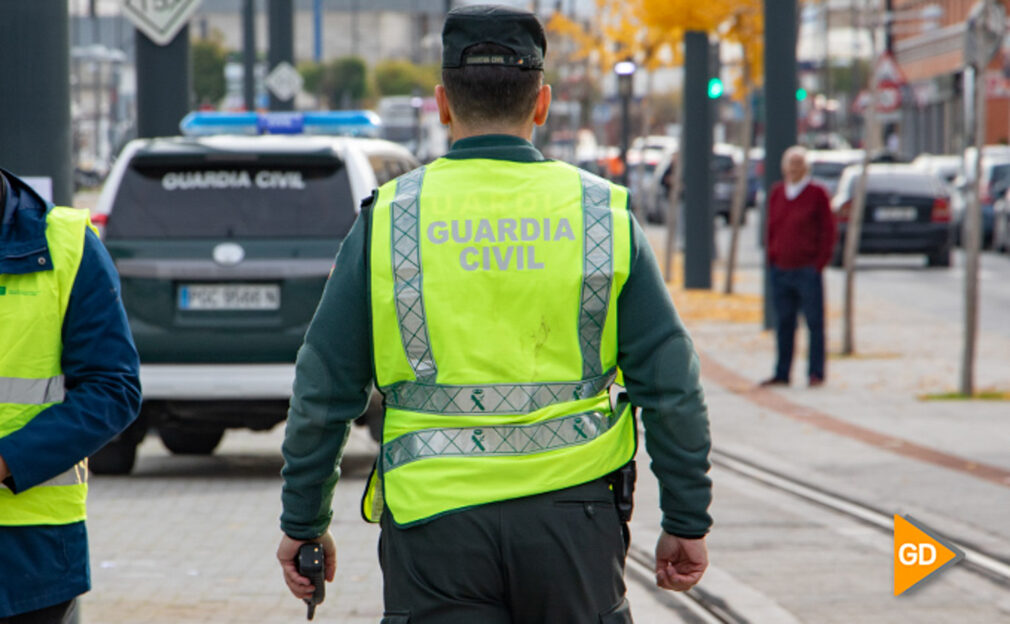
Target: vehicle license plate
(896, 213)
(229, 297)
(723, 189)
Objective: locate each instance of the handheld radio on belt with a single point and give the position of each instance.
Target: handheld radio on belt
(311, 563)
(622, 481)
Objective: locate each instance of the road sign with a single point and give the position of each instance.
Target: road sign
(983, 33)
(889, 80)
(284, 81)
(887, 70)
(888, 98)
(160, 20)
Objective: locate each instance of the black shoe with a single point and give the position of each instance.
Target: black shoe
(774, 381)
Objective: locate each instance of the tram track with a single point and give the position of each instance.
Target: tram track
(695, 606)
(700, 606)
(976, 559)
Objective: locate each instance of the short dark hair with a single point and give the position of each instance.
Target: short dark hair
(489, 93)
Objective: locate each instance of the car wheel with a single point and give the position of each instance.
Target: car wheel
(119, 455)
(115, 458)
(189, 441)
(939, 258)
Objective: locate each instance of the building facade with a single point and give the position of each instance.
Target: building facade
(930, 53)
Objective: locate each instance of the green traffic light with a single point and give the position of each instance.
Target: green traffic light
(715, 88)
(801, 94)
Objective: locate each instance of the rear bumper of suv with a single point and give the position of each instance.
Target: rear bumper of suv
(213, 382)
(907, 238)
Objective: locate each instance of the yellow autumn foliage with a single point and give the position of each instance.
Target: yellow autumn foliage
(643, 29)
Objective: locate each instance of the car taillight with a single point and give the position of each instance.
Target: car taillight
(100, 221)
(843, 212)
(941, 210)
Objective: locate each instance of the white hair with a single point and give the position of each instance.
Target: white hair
(795, 150)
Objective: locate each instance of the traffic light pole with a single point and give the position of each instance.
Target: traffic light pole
(282, 45)
(35, 108)
(163, 84)
(780, 111)
(696, 152)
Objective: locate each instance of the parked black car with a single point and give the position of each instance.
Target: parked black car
(907, 212)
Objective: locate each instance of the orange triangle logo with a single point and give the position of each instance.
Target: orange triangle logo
(918, 553)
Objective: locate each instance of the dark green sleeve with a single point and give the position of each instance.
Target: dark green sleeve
(333, 377)
(661, 374)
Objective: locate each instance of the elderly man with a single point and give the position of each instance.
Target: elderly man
(800, 239)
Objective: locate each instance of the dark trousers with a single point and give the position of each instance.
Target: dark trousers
(555, 558)
(63, 613)
(794, 290)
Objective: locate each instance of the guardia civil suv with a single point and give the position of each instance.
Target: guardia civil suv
(223, 244)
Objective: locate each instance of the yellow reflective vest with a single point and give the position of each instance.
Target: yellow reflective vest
(494, 289)
(32, 308)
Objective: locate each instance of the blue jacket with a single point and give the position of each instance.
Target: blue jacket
(45, 565)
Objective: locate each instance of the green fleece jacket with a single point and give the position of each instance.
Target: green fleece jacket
(334, 373)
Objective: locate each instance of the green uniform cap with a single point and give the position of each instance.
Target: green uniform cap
(519, 31)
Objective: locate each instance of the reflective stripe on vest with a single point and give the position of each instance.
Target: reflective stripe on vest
(541, 435)
(495, 440)
(31, 380)
(491, 398)
(31, 391)
(597, 272)
(407, 274)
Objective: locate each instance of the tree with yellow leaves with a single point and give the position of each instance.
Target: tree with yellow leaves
(643, 30)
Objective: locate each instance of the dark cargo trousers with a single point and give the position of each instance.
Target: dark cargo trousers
(555, 558)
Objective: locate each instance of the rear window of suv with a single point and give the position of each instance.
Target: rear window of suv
(245, 196)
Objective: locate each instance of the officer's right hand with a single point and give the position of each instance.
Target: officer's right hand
(287, 552)
(680, 562)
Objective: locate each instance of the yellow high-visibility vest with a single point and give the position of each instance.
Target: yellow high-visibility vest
(32, 308)
(494, 289)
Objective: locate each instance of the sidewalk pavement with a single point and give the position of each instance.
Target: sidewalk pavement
(867, 435)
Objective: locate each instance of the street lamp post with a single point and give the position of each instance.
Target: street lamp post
(625, 71)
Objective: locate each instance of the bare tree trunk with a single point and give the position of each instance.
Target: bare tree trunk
(673, 213)
(740, 192)
(972, 237)
(856, 210)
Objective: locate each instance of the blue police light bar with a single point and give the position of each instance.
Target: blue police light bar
(341, 123)
(206, 124)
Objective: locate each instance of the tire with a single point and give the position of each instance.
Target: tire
(939, 258)
(189, 441)
(119, 455)
(115, 458)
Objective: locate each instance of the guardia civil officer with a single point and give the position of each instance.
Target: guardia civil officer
(69, 382)
(492, 296)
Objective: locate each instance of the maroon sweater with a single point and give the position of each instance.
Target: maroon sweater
(801, 232)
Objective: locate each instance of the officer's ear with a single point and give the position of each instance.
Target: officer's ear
(444, 113)
(543, 105)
